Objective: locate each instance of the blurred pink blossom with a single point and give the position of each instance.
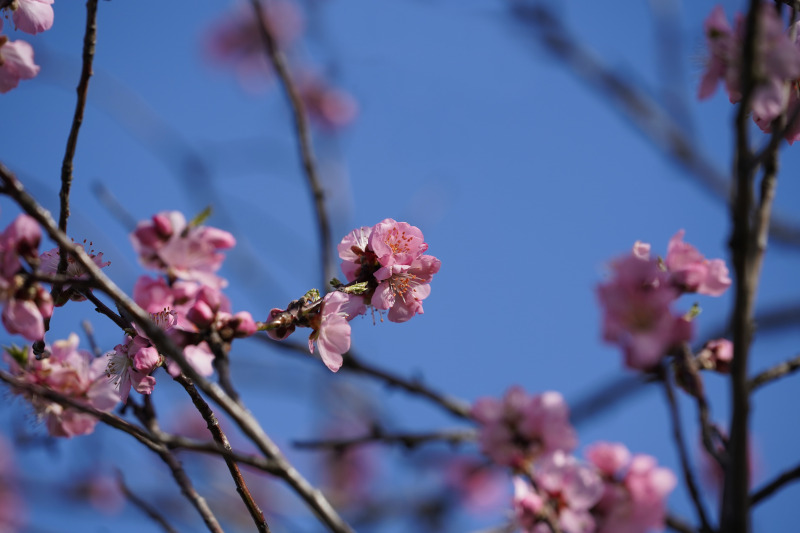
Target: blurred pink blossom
(71, 372)
(692, 272)
(48, 264)
(519, 428)
(16, 63)
(33, 16)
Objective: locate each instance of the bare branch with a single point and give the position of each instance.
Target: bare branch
(778, 371)
(770, 488)
(409, 440)
(303, 138)
(145, 507)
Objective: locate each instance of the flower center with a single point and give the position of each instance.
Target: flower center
(398, 241)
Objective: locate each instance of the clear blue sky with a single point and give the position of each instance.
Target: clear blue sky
(522, 179)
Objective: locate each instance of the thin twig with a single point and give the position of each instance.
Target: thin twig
(219, 436)
(142, 505)
(138, 433)
(683, 454)
(770, 488)
(778, 371)
(89, 40)
(409, 440)
(303, 133)
(747, 243)
(239, 414)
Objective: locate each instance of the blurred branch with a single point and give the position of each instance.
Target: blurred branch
(238, 413)
(678, 524)
(645, 114)
(620, 388)
(683, 454)
(778, 371)
(351, 363)
(138, 433)
(409, 440)
(303, 132)
(145, 507)
(770, 488)
(219, 437)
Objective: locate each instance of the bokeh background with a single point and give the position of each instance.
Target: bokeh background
(523, 178)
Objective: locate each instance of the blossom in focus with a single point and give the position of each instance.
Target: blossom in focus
(390, 258)
(692, 272)
(777, 61)
(183, 251)
(71, 372)
(637, 313)
(48, 264)
(33, 16)
(129, 366)
(519, 428)
(635, 490)
(16, 63)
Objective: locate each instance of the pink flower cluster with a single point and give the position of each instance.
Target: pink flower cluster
(614, 493)
(520, 428)
(390, 258)
(48, 264)
(25, 303)
(637, 300)
(71, 372)
(635, 490)
(776, 64)
(386, 269)
(16, 57)
(188, 304)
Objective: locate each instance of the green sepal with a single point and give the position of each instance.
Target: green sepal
(19, 354)
(200, 217)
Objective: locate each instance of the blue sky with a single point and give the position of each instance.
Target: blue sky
(523, 180)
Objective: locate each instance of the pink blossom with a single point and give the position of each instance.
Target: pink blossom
(183, 251)
(403, 287)
(777, 61)
(329, 107)
(396, 243)
(572, 488)
(236, 40)
(16, 63)
(716, 355)
(691, 272)
(70, 372)
(480, 486)
(528, 505)
(332, 335)
(635, 490)
(355, 252)
(199, 356)
(26, 317)
(609, 458)
(519, 428)
(33, 16)
(129, 366)
(636, 312)
(48, 264)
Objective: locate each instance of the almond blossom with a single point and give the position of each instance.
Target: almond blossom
(332, 333)
(519, 428)
(48, 264)
(16, 63)
(71, 372)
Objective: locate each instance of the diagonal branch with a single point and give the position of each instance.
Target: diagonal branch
(303, 133)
